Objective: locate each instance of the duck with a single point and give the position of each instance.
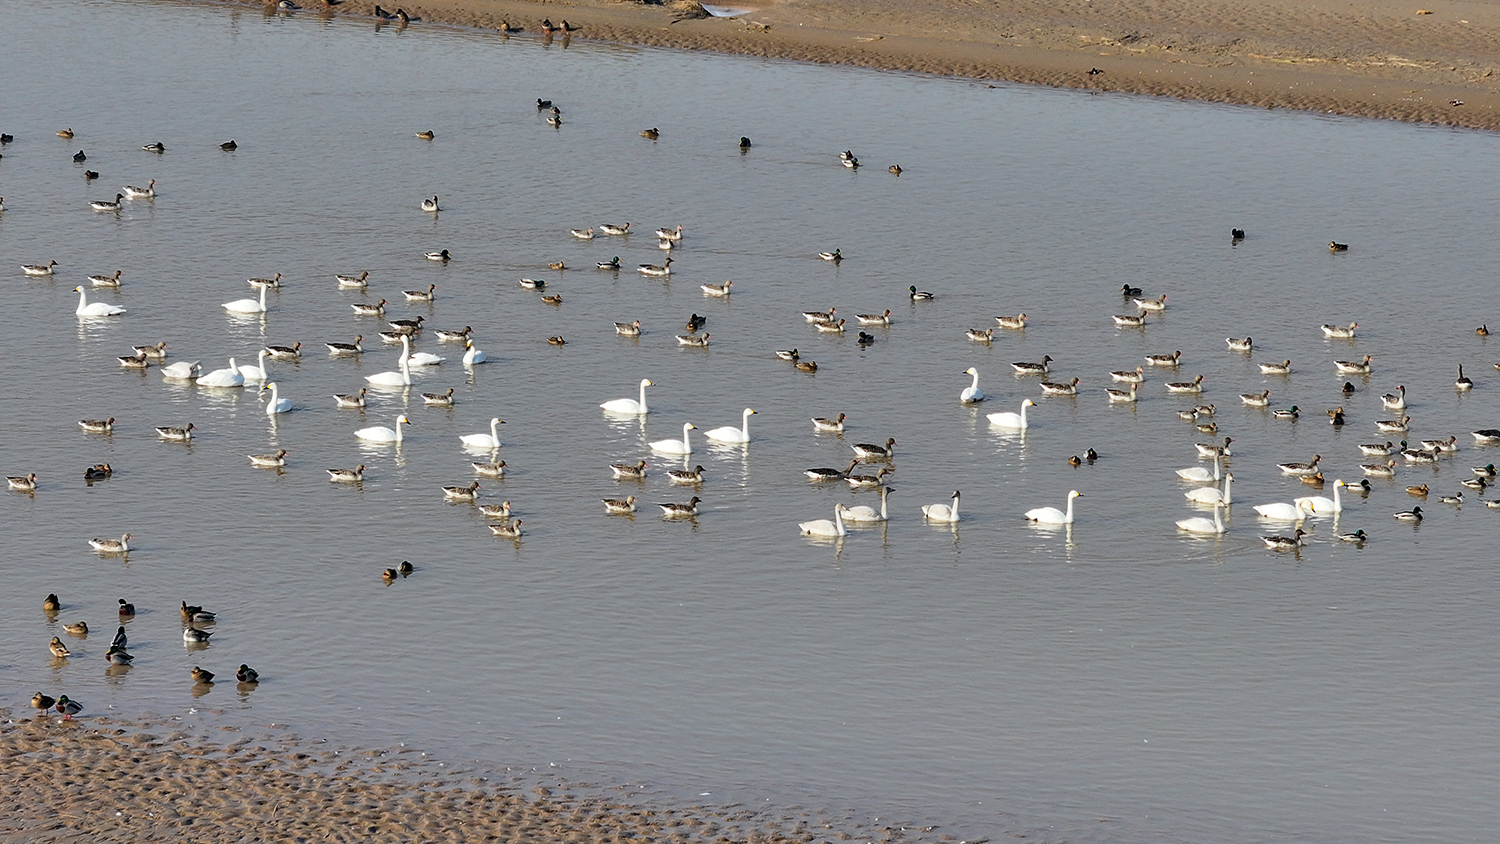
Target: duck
(1210, 495)
(462, 493)
(1340, 332)
(406, 326)
(1157, 304)
(1198, 524)
(834, 256)
(1244, 344)
(421, 295)
(866, 513)
(824, 475)
(1456, 498)
(730, 434)
(717, 289)
(194, 636)
(692, 340)
(183, 434)
(1209, 427)
(1381, 449)
(940, 512)
(65, 133)
(39, 269)
(1358, 537)
(42, 702)
(559, 340)
(98, 472)
(441, 256)
(157, 147)
(79, 628)
(978, 336)
(1129, 291)
(628, 329)
(431, 205)
(51, 604)
(490, 440)
(682, 446)
(94, 309)
(248, 306)
(292, 352)
(1299, 469)
(656, 269)
(816, 317)
(382, 434)
(686, 476)
(919, 295)
(834, 425)
(1379, 470)
(788, 355)
(619, 506)
(1050, 388)
(554, 120)
(1475, 483)
(1486, 471)
(246, 674)
(1014, 323)
(1052, 515)
(273, 283)
(1337, 417)
(1173, 359)
(106, 205)
(510, 531)
(26, 483)
(1030, 368)
(684, 510)
(1128, 321)
(1285, 543)
(269, 461)
(871, 451)
(1394, 401)
(121, 640)
(1290, 414)
(651, 134)
(347, 349)
(630, 471)
(1283, 511)
(98, 426)
(824, 527)
(806, 365)
(611, 264)
(1193, 386)
(147, 192)
(112, 546)
(1463, 384)
(1412, 515)
(202, 676)
(615, 231)
(744, 142)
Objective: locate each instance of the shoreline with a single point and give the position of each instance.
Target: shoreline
(1436, 63)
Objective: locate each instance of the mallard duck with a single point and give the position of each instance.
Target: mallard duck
(557, 340)
(744, 142)
(80, 628)
(202, 676)
(347, 476)
(686, 476)
(629, 471)
(806, 365)
(58, 649)
(68, 707)
(865, 339)
(117, 655)
(824, 475)
(490, 470)
(98, 472)
(246, 674)
(1290, 414)
(1358, 537)
(1173, 359)
(1487, 436)
(651, 134)
(1240, 345)
(65, 133)
(25, 483)
(788, 355)
(51, 603)
(1412, 515)
(192, 613)
(611, 264)
(919, 295)
(510, 531)
(554, 120)
(835, 425)
(1340, 332)
(269, 461)
(127, 609)
(157, 147)
(1030, 368)
(1455, 499)
(1335, 246)
(193, 635)
(427, 134)
(42, 702)
(442, 256)
(684, 510)
(619, 505)
(835, 256)
(1336, 417)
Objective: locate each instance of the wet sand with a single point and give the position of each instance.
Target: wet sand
(1420, 61)
(98, 779)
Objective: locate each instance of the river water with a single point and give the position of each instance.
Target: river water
(1116, 681)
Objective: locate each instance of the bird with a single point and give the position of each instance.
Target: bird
(833, 327)
(1193, 386)
(79, 157)
(490, 470)
(867, 481)
(1335, 246)
(611, 264)
(806, 365)
(1173, 359)
(229, 145)
(1319, 505)
(39, 269)
(683, 446)
(629, 471)
(1360, 367)
(1393, 426)
(744, 142)
(1198, 524)
(1394, 401)
(691, 340)
(872, 451)
(195, 636)
(120, 640)
(347, 476)
(269, 461)
(490, 440)
(346, 349)
(1358, 537)
(942, 512)
(462, 493)
(670, 234)
(835, 425)
(1456, 498)
(382, 434)
(58, 649)
(112, 546)
(25, 483)
(107, 205)
(1285, 543)
(68, 707)
(684, 510)
(1412, 515)
(510, 531)
(619, 506)
(174, 434)
(824, 527)
(441, 256)
(1050, 388)
(919, 295)
(1052, 515)
(628, 329)
(94, 309)
(360, 281)
(1210, 450)
(98, 426)
(1463, 384)
(202, 676)
(277, 404)
(1129, 321)
(834, 256)
(1240, 345)
(248, 306)
(866, 513)
(246, 674)
(1293, 512)
(147, 192)
(615, 231)
(823, 475)
(366, 309)
(127, 609)
(1340, 332)
(986, 336)
(431, 205)
(192, 613)
(1030, 368)
(97, 472)
(656, 269)
(1379, 470)
(651, 134)
(894, 169)
(443, 399)
(630, 406)
(971, 393)
(730, 434)
(686, 476)
(1298, 469)
(557, 340)
(420, 295)
(717, 289)
(1157, 304)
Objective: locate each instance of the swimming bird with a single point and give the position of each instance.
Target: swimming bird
(1285, 543)
(1298, 469)
(824, 475)
(25, 483)
(670, 234)
(630, 406)
(1030, 368)
(1052, 515)
(346, 349)
(78, 628)
(1014, 323)
(201, 676)
(462, 493)
(420, 295)
(834, 256)
(229, 145)
(1340, 332)
(1290, 414)
(1050, 388)
(347, 476)
(1157, 304)
(382, 434)
(656, 269)
(1381, 450)
(615, 231)
(946, 513)
(867, 481)
(183, 434)
(157, 147)
(686, 476)
(97, 472)
(558, 340)
(1395, 401)
(106, 205)
(1456, 498)
(1487, 436)
(1463, 384)
(629, 471)
(816, 317)
(358, 282)
(134, 361)
(1283, 511)
(684, 510)
(824, 527)
(474, 355)
(1129, 376)
(651, 134)
(730, 434)
(367, 309)
(1412, 515)
(691, 340)
(269, 461)
(1122, 396)
(1240, 345)
(350, 400)
(441, 256)
(919, 295)
(39, 269)
(1446, 445)
(872, 451)
(401, 378)
(1129, 291)
(246, 674)
(835, 327)
(806, 365)
(611, 264)
(510, 531)
(1358, 537)
(835, 425)
(98, 426)
(490, 440)
(94, 309)
(1379, 470)
(619, 506)
(1209, 495)
(1393, 426)
(292, 352)
(431, 205)
(787, 354)
(195, 636)
(1193, 386)
(277, 404)
(717, 289)
(1486, 471)
(406, 326)
(1319, 505)
(1210, 450)
(112, 546)
(744, 142)
(683, 446)
(978, 336)
(106, 280)
(1173, 359)
(1128, 321)
(1198, 524)
(147, 192)
(248, 306)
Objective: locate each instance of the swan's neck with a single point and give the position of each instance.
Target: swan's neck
(745, 424)
(882, 504)
(1337, 504)
(1216, 467)
(838, 521)
(1023, 414)
(975, 386)
(495, 430)
(953, 511)
(232, 366)
(1228, 479)
(398, 427)
(685, 443)
(1068, 516)
(643, 398)
(263, 298)
(1218, 519)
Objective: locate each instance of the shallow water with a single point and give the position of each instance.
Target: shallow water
(1116, 682)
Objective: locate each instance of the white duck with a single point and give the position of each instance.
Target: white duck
(866, 513)
(248, 306)
(1319, 505)
(94, 309)
(1052, 515)
(683, 446)
(490, 440)
(630, 406)
(942, 512)
(824, 527)
(395, 379)
(382, 434)
(1007, 419)
(1198, 524)
(277, 404)
(729, 434)
(971, 393)
(230, 377)
(1209, 495)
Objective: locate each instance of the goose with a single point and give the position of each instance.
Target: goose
(824, 527)
(1381, 450)
(1052, 515)
(1198, 524)
(1448, 445)
(1300, 469)
(1487, 436)
(823, 475)
(1130, 376)
(582, 234)
(1283, 511)
(292, 352)
(394, 379)
(382, 434)
(136, 361)
(791, 355)
(350, 400)
(106, 280)
(656, 269)
(420, 295)
(978, 336)
(346, 349)
(1285, 543)
(866, 513)
(630, 471)
(628, 329)
(441, 256)
(1157, 304)
(1128, 321)
(58, 649)
(107, 206)
(816, 317)
(510, 531)
(1393, 426)
(834, 256)
(490, 470)
(406, 326)
(919, 295)
(462, 493)
(871, 451)
(1360, 367)
(670, 234)
(38, 269)
(1029, 368)
(730, 434)
(447, 336)
(347, 476)
(98, 426)
(112, 546)
(942, 512)
(1283, 368)
(1340, 332)
(248, 306)
(359, 282)
(615, 231)
(269, 461)
(365, 309)
(438, 399)
(1291, 414)
(686, 476)
(1412, 515)
(1210, 495)
(1193, 386)
(867, 481)
(94, 309)
(630, 406)
(490, 440)
(1319, 505)
(690, 340)
(1240, 345)
(1015, 323)
(154, 352)
(831, 327)
(619, 506)
(273, 283)
(680, 511)
(1210, 450)
(874, 319)
(184, 434)
(667, 244)
(1379, 470)
(835, 425)
(256, 373)
(431, 205)
(1456, 498)
(971, 393)
(194, 636)
(1463, 384)
(1122, 396)
(716, 289)
(1395, 401)
(683, 446)
(1173, 359)
(276, 404)
(1050, 388)
(611, 264)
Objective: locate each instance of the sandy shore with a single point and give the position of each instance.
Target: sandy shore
(1422, 61)
(105, 780)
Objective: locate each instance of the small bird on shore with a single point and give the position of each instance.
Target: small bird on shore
(42, 702)
(68, 708)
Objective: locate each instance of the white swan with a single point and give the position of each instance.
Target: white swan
(971, 393)
(1209, 495)
(683, 446)
(1319, 505)
(395, 379)
(230, 377)
(181, 370)
(1200, 475)
(382, 434)
(256, 373)
(866, 513)
(277, 404)
(630, 406)
(1052, 515)
(729, 434)
(95, 309)
(490, 440)
(942, 512)
(248, 306)
(1283, 511)
(1198, 524)
(823, 527)
(424, 358)
(473, 355)
(1007, 419)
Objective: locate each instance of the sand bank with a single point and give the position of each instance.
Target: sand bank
(1427, 60)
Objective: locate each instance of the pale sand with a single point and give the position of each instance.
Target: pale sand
(106, 780)
(1378, 58)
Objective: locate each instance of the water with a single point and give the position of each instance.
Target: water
(1118, 682)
